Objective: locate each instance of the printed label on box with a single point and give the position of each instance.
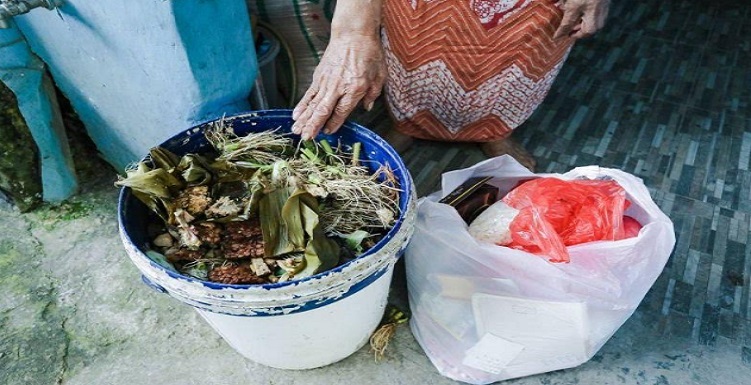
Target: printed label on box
(491, 354)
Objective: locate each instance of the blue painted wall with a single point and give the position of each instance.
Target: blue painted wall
(139, 71)
(25, 75)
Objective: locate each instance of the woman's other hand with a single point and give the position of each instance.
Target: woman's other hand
(582, 18)
(352, 70)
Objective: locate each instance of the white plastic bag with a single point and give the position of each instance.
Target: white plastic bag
(485, 313)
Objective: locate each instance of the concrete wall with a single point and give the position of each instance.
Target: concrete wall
(139, 71)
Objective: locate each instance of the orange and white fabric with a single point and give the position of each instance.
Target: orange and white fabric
(469, 70)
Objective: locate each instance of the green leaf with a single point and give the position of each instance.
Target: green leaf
(356, 148)
(160, 259)
(354, 240)
(200, 271)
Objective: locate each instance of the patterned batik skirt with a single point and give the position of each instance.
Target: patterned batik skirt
(469, 70)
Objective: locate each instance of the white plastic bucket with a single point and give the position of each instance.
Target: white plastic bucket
(300, 324)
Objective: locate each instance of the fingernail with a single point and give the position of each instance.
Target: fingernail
(369, 106)
(296, 129)
(295, 114)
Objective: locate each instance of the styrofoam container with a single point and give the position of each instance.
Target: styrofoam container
(300, 324)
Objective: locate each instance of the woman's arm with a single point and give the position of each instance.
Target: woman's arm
(351, 70)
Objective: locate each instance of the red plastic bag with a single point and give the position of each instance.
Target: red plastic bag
(556, 213)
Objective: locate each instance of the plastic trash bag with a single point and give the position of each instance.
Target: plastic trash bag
(556, 213)
(484, 313)
(494, 224)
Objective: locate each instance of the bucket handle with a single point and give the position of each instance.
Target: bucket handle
(153, 285)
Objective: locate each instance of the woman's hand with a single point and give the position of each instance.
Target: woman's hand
(582, 18)
(351, 70)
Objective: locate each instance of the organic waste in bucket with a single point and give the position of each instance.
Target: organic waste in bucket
(299, 324)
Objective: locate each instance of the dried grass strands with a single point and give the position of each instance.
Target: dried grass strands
(361, 201)
(256, 149)
(380, 339)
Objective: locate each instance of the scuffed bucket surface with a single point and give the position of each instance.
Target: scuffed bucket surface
(279, 298)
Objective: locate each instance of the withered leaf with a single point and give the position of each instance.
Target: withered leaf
(274, 230)
(163, 158)
(195, 170)
(158, 183)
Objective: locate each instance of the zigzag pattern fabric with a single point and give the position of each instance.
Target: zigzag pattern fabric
(469, 70)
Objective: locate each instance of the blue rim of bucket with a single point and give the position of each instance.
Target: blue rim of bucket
(403, 176)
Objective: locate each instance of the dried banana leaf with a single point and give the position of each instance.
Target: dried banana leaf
(273, 227)
(195, 170)
(229, 172)
(155, 188)
(289, 223)
(188, 237)
(159, 206)
(321, 253)
(234, 190)
(163, 158)
(157, 183)
(292, 216)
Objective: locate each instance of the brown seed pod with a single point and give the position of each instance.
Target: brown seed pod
(183, 254)
(234, 275)
(208, 232)
(195, 200)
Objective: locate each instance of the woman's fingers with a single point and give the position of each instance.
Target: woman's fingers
(572, 11)
(356, 91)
(345, 107)
(593, 20)
(319, 110)
(370, 97)
(302, 106)
(582, 18)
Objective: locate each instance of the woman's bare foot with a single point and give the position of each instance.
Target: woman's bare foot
(400, 142)
(510, 147)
